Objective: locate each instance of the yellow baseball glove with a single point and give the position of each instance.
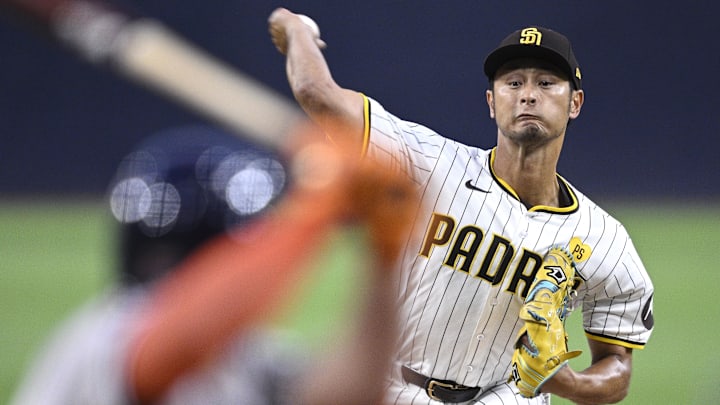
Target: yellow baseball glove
(541, 347)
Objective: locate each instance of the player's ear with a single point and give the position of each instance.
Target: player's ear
(577, 98)
(490, 102)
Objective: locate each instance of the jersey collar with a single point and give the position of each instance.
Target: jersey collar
(568, 199)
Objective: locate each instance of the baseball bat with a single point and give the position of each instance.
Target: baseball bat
(145, 51)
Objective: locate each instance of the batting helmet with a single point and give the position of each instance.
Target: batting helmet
(182, 186)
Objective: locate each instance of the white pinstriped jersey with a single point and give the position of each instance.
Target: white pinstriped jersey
(476, 251)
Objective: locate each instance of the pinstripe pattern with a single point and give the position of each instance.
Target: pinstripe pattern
(475, 253)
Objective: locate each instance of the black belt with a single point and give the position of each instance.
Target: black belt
(440, 390)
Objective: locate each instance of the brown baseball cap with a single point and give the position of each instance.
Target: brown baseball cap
(540, 43)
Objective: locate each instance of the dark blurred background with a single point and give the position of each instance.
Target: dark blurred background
(650, 127)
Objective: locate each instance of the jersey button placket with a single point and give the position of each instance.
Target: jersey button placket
(525, 225)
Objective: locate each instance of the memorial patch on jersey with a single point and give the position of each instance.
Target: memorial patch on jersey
(580, 251)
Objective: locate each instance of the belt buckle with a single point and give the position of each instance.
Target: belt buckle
(434, 383)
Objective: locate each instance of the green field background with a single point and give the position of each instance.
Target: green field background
(56, 254)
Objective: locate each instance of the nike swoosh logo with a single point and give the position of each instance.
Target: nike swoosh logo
(471, 186)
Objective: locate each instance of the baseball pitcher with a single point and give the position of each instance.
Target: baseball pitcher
(503, 247)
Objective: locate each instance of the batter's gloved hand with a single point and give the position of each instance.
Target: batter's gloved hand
(541, 348)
